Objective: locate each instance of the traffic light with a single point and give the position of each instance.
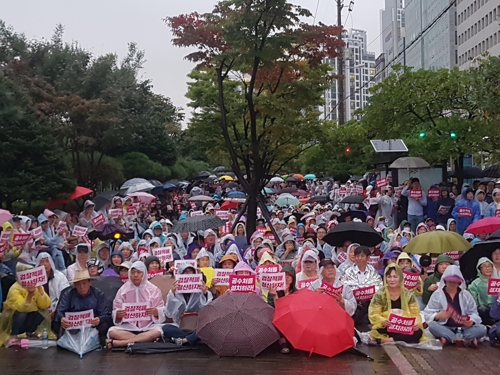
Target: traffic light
(347, 149)
(421, 134)
(453, 135)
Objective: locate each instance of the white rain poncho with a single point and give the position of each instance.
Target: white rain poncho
(57, 284)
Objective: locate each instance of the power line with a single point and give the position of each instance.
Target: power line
(417, 38)
(316, 13)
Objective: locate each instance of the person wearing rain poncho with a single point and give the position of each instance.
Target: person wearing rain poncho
(240, 235)
(57, 281)
(128, 252)
(212, 245)
(394, 298)
(172, 240)
(288, 250)
(431, 283)
(82, 257)
(54, 240)
(309, 269)
(157, 231)
(206, 263)
(404, 261)
(452, 307)
(328, 273)
(180, 304)
(479, 290)
(103, 254)
(350, 261)
(25, 311)
(136, 290)
(359, 276)
(229, 245)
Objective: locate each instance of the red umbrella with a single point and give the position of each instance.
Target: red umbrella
(305, 319)
(300, 193)
(229, 204)
(484, 226)
(79, 192)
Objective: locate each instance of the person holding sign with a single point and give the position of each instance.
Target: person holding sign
(466, 211)
(349, 262)
(452, 306)
(494, 333)
(57, 282)
(416, 202)
(83, 297)
(493, 209)
(431, 283)
(394, 312)
(479, 290)
(288, 250)
(136, 293)
(181, 307)
(206, 263)
(24, 311)
(309, 267)
(55, 240)
(82, 257)
(217, 286)
(364, 280)
(329, 283)
(85, 218)
(404, 261)
(444, 207)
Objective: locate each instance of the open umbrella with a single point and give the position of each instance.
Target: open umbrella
(310, 176)
(226, 178)
(484, 226)
(237, 325)
(305, 319)
(196, 223)
(320, 199)
(79, 192)
(353, 199)
(286, 200)
(287, 190)
(468, 261)
(80, 341)
(299, 176)
(232, 185)
(142, 197)
(236, 194)
(220, 169)
(293, 179)
(492, 171)
(103, 198)
(409, 162)
(469, 172)
(201, 198)
(353, 214)
(109, 286)
(267, 190)
(300, 193)
(353, 231)
(276, 179)
(5, 216)
(133, 182)
(109, 232)
(437, 242)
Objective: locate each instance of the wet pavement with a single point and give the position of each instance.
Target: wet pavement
(56, 361)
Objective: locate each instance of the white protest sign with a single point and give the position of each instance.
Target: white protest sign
(196, 213)
(164, 254)
(115, 213)
(36, 276)
(222, 275)
(135, 312)
(77, 320)
(275, 281)
(79, 231)
(190, 283)
(188, 262)
(37, 233)
(5, 236)
(222, 214)
(61, 226)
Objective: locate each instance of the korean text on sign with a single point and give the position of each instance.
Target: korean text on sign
(77, 320)
(364, 294)
(164, 254)
(243, 284)
(36, 276)
(222, 276)
(401, 324)
(275, 281)
(493, 286)
(331, 290)
(304, 284)
(135, 312)
(411, 280)
(190, 283)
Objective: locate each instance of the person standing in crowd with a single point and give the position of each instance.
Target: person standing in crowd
(494, 207)
(444, 207)
(415, 205)
(386, 205)
(466, 211)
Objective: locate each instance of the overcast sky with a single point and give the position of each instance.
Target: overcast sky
(108, 25)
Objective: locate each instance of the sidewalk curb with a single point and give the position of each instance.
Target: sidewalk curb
(404, 367)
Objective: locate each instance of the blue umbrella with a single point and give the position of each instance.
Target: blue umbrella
(236, 194)
(169, 186)
(310, 176)
(267, 190)
(286, 200)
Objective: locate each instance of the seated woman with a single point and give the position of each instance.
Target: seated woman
(57, 281)
(127, 251)
(363, 277)
(193, 250)
(179, 305)
(228, 261)
(349, 262)
(451, 307)
(404, 261)
(115, 265)
(82, 256)
(24, 310)
(288, 250)
(479, 290)
(136, 290)
(206, 262)
(152, 263)
(309, 269)
(328, 273)
(395, 299)
(95, 267)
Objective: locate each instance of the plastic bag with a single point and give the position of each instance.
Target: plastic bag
(81, 341)
(429, 344)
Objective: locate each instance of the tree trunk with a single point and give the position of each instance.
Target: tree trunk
(444, 170)
(459, 171)
(251, 223)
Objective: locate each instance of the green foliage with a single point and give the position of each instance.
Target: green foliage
(136, 164)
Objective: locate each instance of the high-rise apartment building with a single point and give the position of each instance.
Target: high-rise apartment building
(359, 71)
(392, 23)
(478, 29)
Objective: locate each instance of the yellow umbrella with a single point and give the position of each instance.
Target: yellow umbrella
(437, 242)
(226, 178)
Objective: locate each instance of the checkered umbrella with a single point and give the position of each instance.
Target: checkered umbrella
(237, 325)
(196, 223)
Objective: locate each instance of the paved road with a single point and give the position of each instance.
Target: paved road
(55, 361)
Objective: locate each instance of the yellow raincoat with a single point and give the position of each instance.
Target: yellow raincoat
(265, 259)
(16, 302)
(14, 251)
(380, 306)
(419, 289)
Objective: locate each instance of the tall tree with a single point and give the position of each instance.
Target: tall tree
(258, 83)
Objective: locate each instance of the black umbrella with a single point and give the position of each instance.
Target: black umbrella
(287, 190)
(221, 169)
(196, 223)
(354, 214)
(469, 172)
(103, 198)
(232, 185)
(361, 233)
(319, 199)
(109, 232)
(492, 171)
(353, 199)
(468, 261)
(494, 236)
(292, 179)
(109, 285)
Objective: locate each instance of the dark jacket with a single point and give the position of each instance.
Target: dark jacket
(71, 301)
(435, 278)
(446, 202)
(281, 293)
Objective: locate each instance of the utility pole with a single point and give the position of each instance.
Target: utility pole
(340, 69)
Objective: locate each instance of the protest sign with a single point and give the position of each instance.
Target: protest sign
(464, 212)
(411, 280)
(136, 312)
(342, 256)
(433, 264)
(3, 246)
(374, 260)
(401, 324)
(242, 284)
(196, 213)
(152, 274)
(359, 189)
(98, 220)
(268, 268)
(190, 283)
(62, 226)
(493, 286)
(37, 233)
(285, 262)
(142, 252)
(364, 294)
(443, 210)
(330, 289)
(433, 193)
(132, 211)
(164, 254)
(455, 255)
(416, 194)
(20, 239)
(4, 237)
(79, 231)
(343, 192)
(222, 214)
(187, 262)
(275, 281)
(77, 320)
(222, 276)
(115, 213)
(381, 183)
(456, 316)
(35, 276)
(497, 213)
(304, 284)
(398, 189)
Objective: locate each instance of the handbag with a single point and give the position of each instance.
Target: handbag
(189, 322)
